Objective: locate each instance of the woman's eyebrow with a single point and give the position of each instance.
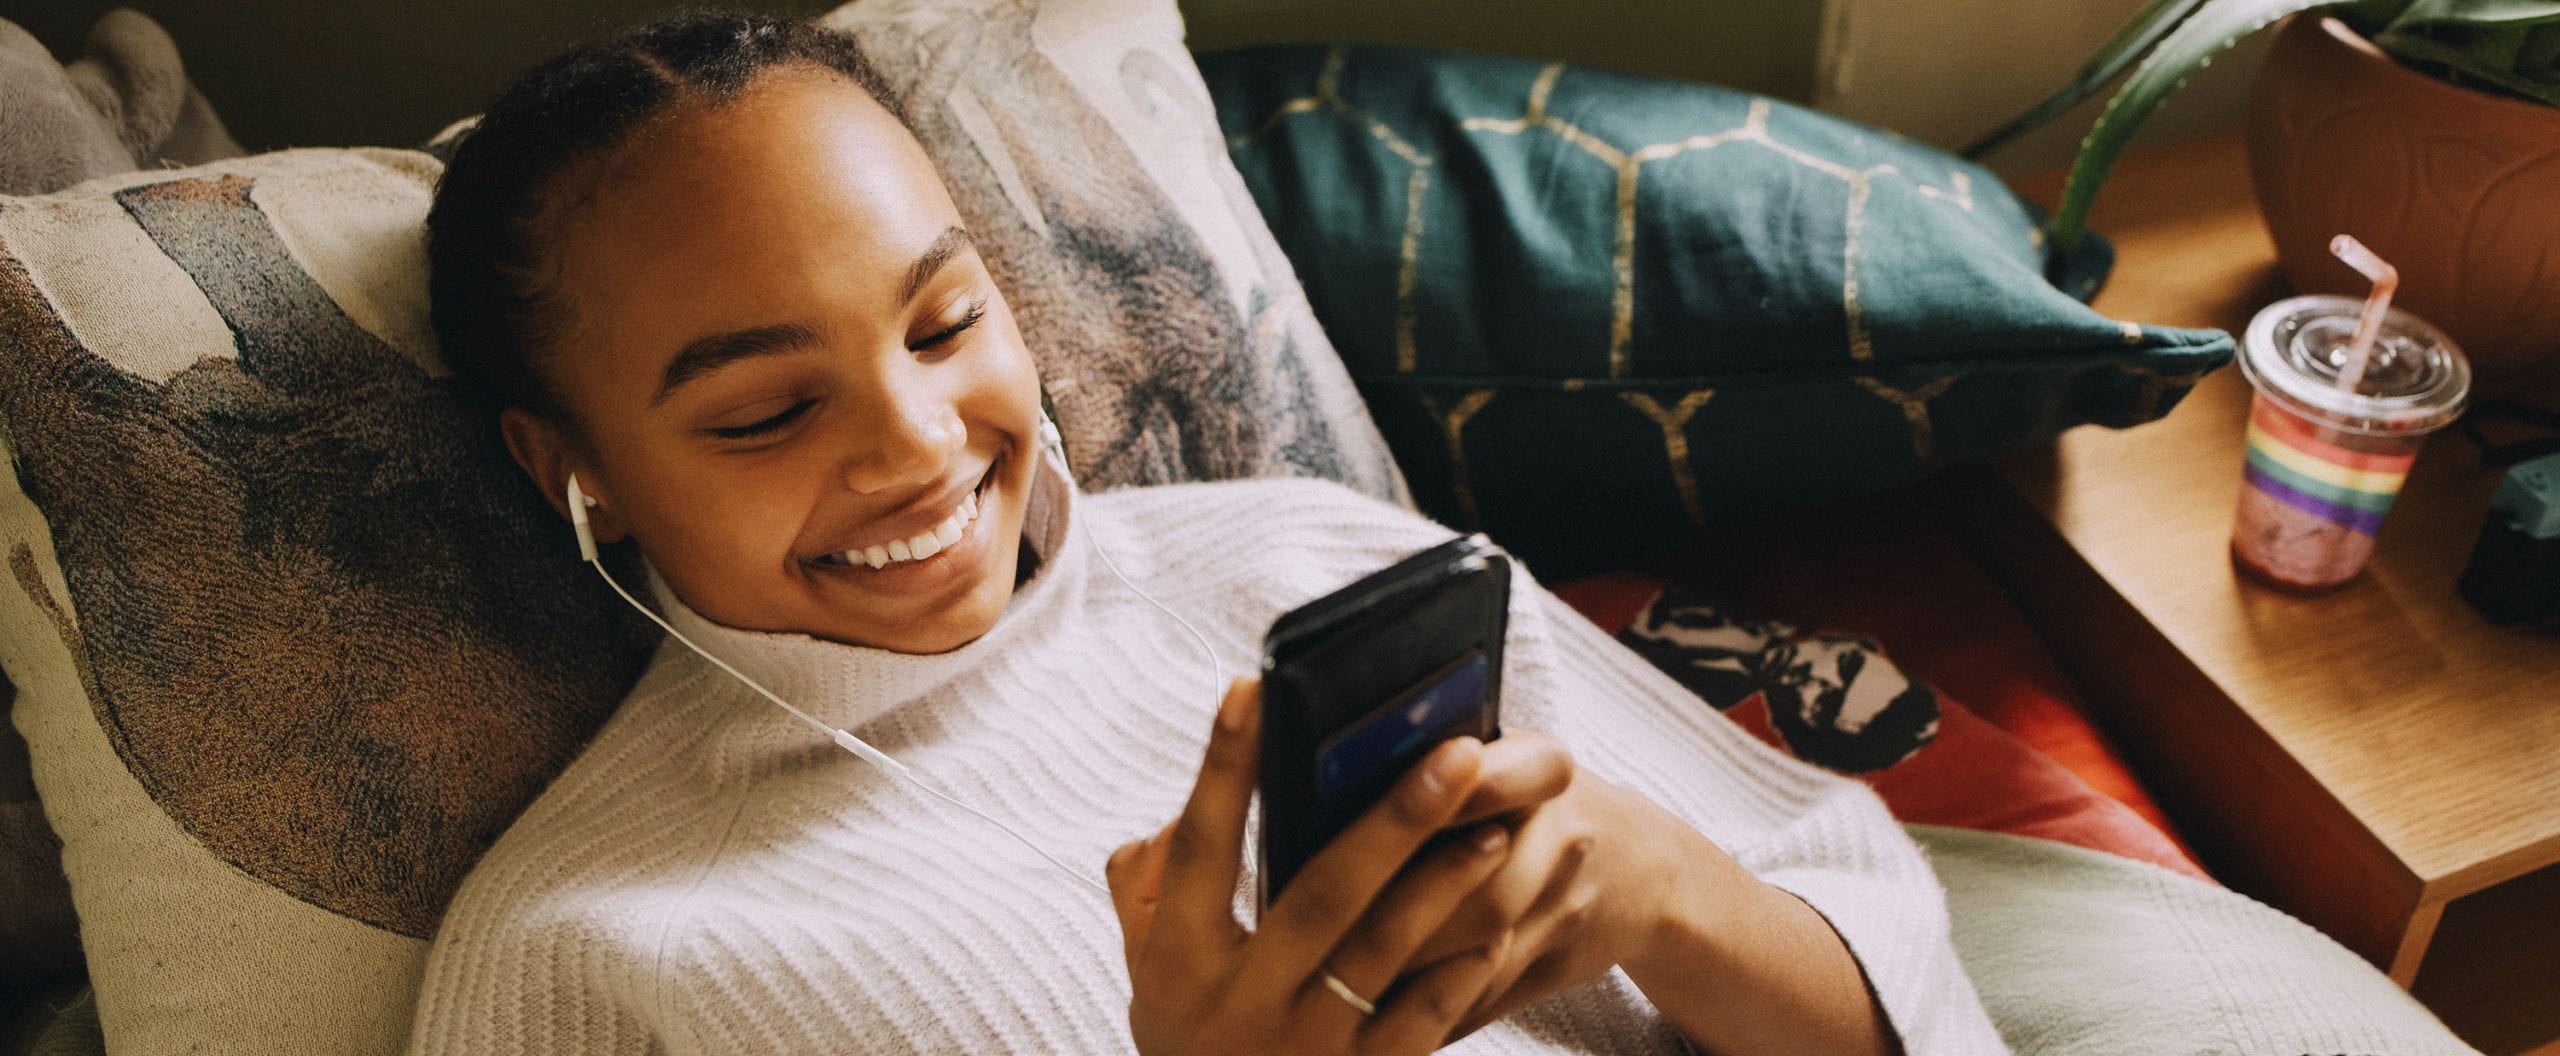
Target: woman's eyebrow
(703, 355)
(945, 246)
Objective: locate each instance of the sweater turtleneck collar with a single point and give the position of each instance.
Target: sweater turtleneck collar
(848, 686)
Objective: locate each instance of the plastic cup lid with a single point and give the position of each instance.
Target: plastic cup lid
(2416, 381)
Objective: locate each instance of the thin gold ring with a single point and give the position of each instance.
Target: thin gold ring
(1349, 997)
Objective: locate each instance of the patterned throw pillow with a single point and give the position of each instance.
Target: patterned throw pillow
(1838, 701)
(1594, 312)
(1081, 147)
(294, 640)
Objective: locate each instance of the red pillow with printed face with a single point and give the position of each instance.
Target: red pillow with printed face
(1834, 700)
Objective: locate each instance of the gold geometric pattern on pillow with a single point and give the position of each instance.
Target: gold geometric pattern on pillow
(1611, 298)
(1328, 96)
(1915, 409)
(1629, 163)
(1675, 443)
(1453, 427)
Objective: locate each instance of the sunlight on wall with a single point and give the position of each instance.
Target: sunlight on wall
(1947, 71)
(1757, 45)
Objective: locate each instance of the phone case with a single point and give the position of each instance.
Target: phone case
(1361, 682)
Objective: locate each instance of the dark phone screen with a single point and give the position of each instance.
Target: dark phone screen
(1384, 740)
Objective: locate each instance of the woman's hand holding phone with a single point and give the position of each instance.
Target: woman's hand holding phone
(1594, 874)
(1600, 876)
(1557, 876)
(1200, 982)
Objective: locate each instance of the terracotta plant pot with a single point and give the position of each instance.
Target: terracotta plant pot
(2457, 188)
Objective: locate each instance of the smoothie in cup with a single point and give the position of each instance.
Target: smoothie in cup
(2327, 450)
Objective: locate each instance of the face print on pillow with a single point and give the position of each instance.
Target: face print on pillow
(1834, 698)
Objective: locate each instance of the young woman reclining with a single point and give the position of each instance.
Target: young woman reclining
(707, 272)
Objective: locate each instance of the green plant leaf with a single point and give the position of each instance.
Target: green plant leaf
(2369, 16)
(2512, 46)
(2138, 34)
(2207, 33)
(2478, 12)
(2520, 60)
(2542, 51)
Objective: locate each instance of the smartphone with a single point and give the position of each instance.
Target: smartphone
(1360, 683)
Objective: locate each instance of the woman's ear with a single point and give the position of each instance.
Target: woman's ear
(543, 450)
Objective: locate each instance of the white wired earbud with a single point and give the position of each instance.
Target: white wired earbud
(579, 504)
(1050, 438)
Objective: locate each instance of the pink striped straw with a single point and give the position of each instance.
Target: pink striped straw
(2385, 280)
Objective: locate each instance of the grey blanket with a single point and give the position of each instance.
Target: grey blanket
(2079, 952)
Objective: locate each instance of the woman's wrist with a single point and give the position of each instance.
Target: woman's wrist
(1701, 894)
(1741, 966)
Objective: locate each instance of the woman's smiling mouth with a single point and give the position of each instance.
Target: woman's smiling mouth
(922, 546)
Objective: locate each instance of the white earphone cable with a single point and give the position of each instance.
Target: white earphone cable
(1216, 668)
(843, 739)
(578, 503)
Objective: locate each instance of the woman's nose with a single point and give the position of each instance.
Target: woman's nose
(908, 442)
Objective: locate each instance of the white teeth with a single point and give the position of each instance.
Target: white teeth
(923, 544)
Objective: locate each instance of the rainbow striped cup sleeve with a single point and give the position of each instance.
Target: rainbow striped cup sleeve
(2290, 463)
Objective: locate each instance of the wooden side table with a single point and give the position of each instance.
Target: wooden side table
(2379, 761)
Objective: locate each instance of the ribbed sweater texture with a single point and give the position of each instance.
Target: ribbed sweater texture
(712, 876)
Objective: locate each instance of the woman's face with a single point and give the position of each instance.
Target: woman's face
(791, 378)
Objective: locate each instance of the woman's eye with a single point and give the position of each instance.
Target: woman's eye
(976, 312)
(763, 425)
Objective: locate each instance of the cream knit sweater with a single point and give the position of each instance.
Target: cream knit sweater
(713, 877)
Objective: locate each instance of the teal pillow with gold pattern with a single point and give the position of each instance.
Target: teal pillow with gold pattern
(1594, 313)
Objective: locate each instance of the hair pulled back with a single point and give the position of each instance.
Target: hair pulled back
(489, 258)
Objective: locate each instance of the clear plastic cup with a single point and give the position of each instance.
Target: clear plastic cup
(2324, 464)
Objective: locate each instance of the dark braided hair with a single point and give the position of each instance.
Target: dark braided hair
(489, 262)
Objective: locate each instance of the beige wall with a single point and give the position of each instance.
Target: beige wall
(1940, 71)
(329, 72)
(343, 72)
(1948, 71)
(1759, 45)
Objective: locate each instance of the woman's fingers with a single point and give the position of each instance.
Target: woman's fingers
(1521, 770)
(1535, 981)
(1530, 944)
(1337, 886)
(1546, 936)
(1414, 907)
(1428, 1006)
(1547, 852)
(1136, 875)
(1203, 852)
